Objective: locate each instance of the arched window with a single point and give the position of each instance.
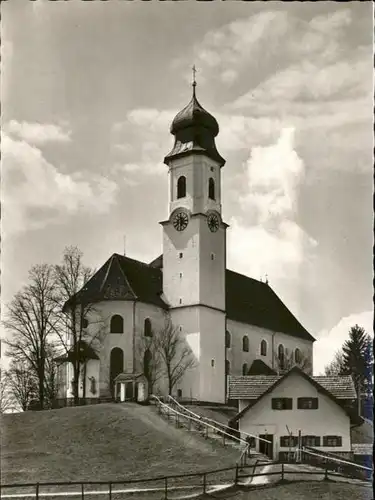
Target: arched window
(147, 328)
(117, 324)
(116, 365)
(297, 356)
(244, 369)
(245, 343)
(92, 385)
(281, 356)
(181, 187)
(211, 188)
(147, 363)
(263, 348)
(227, 339)
(227, 367)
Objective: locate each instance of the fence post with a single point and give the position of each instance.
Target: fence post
(282, 471)
(166, 489)
(223, 439)
(236, 476)
(204, 483)
(110, 491)
(326, 473)
(37, 491)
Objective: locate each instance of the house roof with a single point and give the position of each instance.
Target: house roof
(253, 386)
(255, 303)
(122, 278)
(259, 386)
(85, 352)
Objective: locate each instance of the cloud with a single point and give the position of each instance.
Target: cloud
(35, 193)
(142, 141)
(330, 341)
(266, 239)
(37, 133)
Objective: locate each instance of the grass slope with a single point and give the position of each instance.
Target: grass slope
(363, 433)
(102, 442)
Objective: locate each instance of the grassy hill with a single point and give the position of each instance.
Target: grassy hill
(105, 442)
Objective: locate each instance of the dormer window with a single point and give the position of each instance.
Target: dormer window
(181, 187)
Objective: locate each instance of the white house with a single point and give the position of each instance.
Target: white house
(282, 408)
(227, 319)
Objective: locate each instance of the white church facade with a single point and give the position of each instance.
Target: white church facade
(233, 324)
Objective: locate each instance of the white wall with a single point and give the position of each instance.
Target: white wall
(328, 419)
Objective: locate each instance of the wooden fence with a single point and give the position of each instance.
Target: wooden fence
(199, 483)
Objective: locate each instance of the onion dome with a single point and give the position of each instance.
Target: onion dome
(195, 130)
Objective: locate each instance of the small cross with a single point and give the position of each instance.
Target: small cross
(194, 72)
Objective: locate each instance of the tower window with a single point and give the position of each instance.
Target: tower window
(212, 256)
(181, 187)
(211, 188)
(212, 362)
(180, 301)
(245, 343)
(180, 275)
(180, 255)
(244, 369)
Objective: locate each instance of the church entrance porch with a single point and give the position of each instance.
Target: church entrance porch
(131, 387)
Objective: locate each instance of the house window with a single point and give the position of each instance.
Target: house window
(244, 369)
(117, 324)
(211, 188)
(212, 362)
(227, 367)
(245, 343)
(227, 339)
(281, 356)
(147, 328)
(263, 348)
(180, 301)
(212, 256)
(307, 403)
(288, 441)
(85, 323)
(180, 275)
(332, 441)
(297, 356)
(310, 440)
(180, 255)
(282, 403)
(179, 393)
(181, 187)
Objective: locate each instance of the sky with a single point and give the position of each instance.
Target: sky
(89, 90)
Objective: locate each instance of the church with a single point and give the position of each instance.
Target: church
(232, 324)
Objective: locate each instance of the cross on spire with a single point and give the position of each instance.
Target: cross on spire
(194, 72)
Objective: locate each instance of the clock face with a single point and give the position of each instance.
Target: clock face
(180, 221)
(213, 222)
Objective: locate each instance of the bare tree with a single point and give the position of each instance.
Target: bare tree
(175, 354)
(150, 359)
(71, 276)
(336, 366)
(31, 320)
(6, 399)
(21, 384)
(51, 378)
(290, 359)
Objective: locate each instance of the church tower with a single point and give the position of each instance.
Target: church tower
(194, 249)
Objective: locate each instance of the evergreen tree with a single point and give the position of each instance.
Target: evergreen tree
(357, 360)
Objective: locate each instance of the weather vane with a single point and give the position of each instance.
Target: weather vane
(194, 72)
